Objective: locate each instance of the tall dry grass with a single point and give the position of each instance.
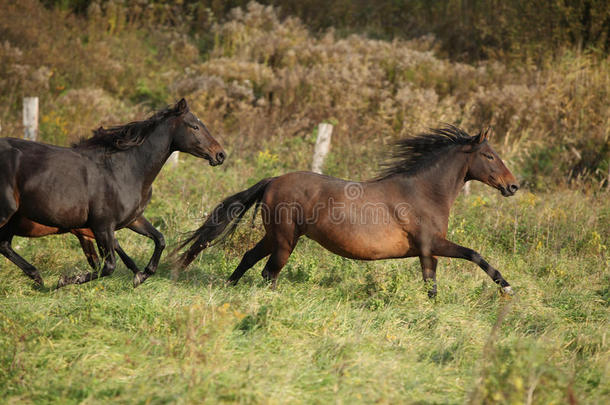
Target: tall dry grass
(263, 78)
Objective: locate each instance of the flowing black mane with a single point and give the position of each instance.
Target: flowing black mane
(416, 153)
(127, 136)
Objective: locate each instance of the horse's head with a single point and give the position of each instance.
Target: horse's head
(487, 167)
(191, 136)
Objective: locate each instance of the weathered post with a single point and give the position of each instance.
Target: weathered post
(325, 132)
(173, 159)
(30, 117)
(467, 188)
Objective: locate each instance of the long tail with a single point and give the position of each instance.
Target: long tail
(222, 222)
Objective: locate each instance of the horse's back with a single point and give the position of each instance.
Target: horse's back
(35, 149)
(313, 186)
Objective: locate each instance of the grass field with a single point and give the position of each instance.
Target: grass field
(336, 330)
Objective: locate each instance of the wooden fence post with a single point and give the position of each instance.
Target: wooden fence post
(173, 159)
(30, 117)
(467, 188)
(325, 132)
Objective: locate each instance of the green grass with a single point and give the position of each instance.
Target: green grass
(336, 330)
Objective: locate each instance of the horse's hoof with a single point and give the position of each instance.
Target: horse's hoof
(63, 281)
(139, 279)
(39, 282)
(508, 290)
(266, 275)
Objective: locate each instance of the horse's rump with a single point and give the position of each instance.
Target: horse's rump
(9, 196)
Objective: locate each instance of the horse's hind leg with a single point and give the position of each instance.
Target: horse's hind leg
(9, 162)
(428, 269)
(105, 244)
(6, 249)
(86, 243)
(252, 256)
(8, 207)
(279, 256)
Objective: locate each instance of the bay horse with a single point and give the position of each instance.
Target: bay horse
(402, 213)
(20, 226)
(96, 187)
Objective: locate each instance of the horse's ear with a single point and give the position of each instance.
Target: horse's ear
(484, 135)
(488, 133)
(182, 106)
(480, 138)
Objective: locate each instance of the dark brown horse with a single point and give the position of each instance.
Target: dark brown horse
(96, 187)
(403, 213)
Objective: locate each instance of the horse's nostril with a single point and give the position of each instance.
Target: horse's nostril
(513, 188)
(220, 156)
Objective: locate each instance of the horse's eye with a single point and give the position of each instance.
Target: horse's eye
(490, 157)
(195, 127)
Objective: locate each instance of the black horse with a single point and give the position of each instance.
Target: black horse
(100, 184)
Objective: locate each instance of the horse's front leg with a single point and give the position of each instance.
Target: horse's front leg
(443, 247)
(87, 240)
(145, 228)
(128, 261)
(105, 243)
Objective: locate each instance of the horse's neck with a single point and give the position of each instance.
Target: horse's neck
(442, 182)
(146, 160)
(448, 176)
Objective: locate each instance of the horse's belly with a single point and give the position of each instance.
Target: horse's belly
(57, 198)
(24, 227)
(60, 216)
(54, 209)
(367, 244)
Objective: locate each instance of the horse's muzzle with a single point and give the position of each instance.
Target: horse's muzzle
(509, 190)
(216, 160)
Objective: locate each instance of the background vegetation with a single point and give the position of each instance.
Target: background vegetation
(262, 78)
(255, 76)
